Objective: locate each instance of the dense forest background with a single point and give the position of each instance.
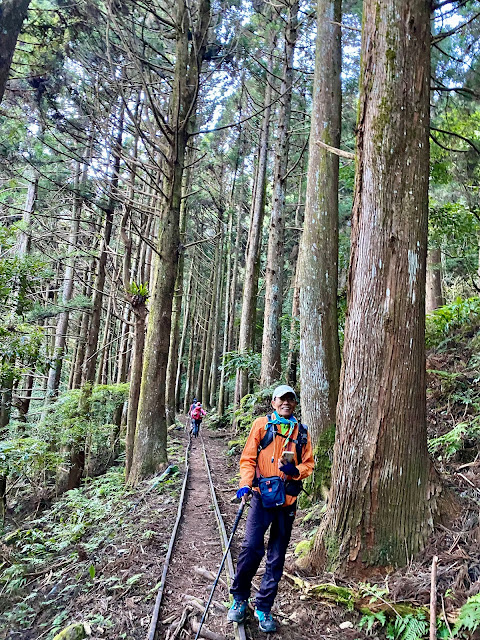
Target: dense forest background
(177, 183)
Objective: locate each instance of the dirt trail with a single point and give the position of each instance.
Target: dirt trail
(197, 549)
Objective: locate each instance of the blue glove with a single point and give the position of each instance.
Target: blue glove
(244, 491)
(290, 469)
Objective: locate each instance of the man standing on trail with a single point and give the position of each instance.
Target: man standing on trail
(277, 457)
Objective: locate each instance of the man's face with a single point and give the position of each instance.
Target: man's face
(285, 405)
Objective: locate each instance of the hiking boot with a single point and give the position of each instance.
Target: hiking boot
(236, 613)
(266, 622)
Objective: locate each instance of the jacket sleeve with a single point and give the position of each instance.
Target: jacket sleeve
(308, 462)
(248, 459)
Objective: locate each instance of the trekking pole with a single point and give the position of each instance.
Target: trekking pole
(214, 586)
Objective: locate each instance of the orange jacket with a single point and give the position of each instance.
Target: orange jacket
(267, 468)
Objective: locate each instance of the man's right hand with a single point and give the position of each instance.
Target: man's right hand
(244, 494)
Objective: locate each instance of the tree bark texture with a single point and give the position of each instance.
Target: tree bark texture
(271, 367)
(150, 450)
(12, 15)
(318, 268)
(434, 295)
(384, 495)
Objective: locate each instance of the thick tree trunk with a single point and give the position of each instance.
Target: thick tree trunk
(384, 494)
(272, 341)
(250, 287)
(150, 450)
(12, 15)
(173, 356)
(434, 295)
(318, 268)
(293, 344)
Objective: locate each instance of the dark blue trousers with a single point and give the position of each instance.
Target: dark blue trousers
(280, 520)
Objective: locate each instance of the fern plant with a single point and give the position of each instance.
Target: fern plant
(469, 616)
(409, 627)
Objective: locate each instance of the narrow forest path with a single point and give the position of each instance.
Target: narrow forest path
(197, 551)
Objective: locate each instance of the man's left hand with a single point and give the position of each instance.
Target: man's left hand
(289, 469)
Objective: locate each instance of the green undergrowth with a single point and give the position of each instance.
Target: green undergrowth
(451, 320)
(221, 422)
(32, 452)
(66, 544)
(453, 442)
(453, 333)
(397, 620)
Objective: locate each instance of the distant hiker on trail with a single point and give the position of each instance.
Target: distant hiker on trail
(192, 407)
(277, 457)
(197, 413)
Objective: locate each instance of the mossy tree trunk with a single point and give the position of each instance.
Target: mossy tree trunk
(150, 449)
(384, 495)
(318, 268)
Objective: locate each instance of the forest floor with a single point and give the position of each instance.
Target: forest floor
(109, 577)
(96, 554)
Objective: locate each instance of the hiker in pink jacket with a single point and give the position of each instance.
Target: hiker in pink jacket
(197, 413)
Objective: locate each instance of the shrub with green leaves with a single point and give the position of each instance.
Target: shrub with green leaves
(66, 421)
(248, 361)
(441, 323)
(35, 456)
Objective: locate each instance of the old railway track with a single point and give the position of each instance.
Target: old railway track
(195, 540)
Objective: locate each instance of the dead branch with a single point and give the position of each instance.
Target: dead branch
(338, 152)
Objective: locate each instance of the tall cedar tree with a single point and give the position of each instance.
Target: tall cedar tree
(318, 268)
(384, 493)
(150, 449)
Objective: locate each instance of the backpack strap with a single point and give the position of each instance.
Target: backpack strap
(300, 442)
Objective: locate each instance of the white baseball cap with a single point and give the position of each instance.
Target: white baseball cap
(282, 390)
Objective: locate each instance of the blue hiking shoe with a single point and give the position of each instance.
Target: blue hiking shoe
(236, 613)
(266, 622)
